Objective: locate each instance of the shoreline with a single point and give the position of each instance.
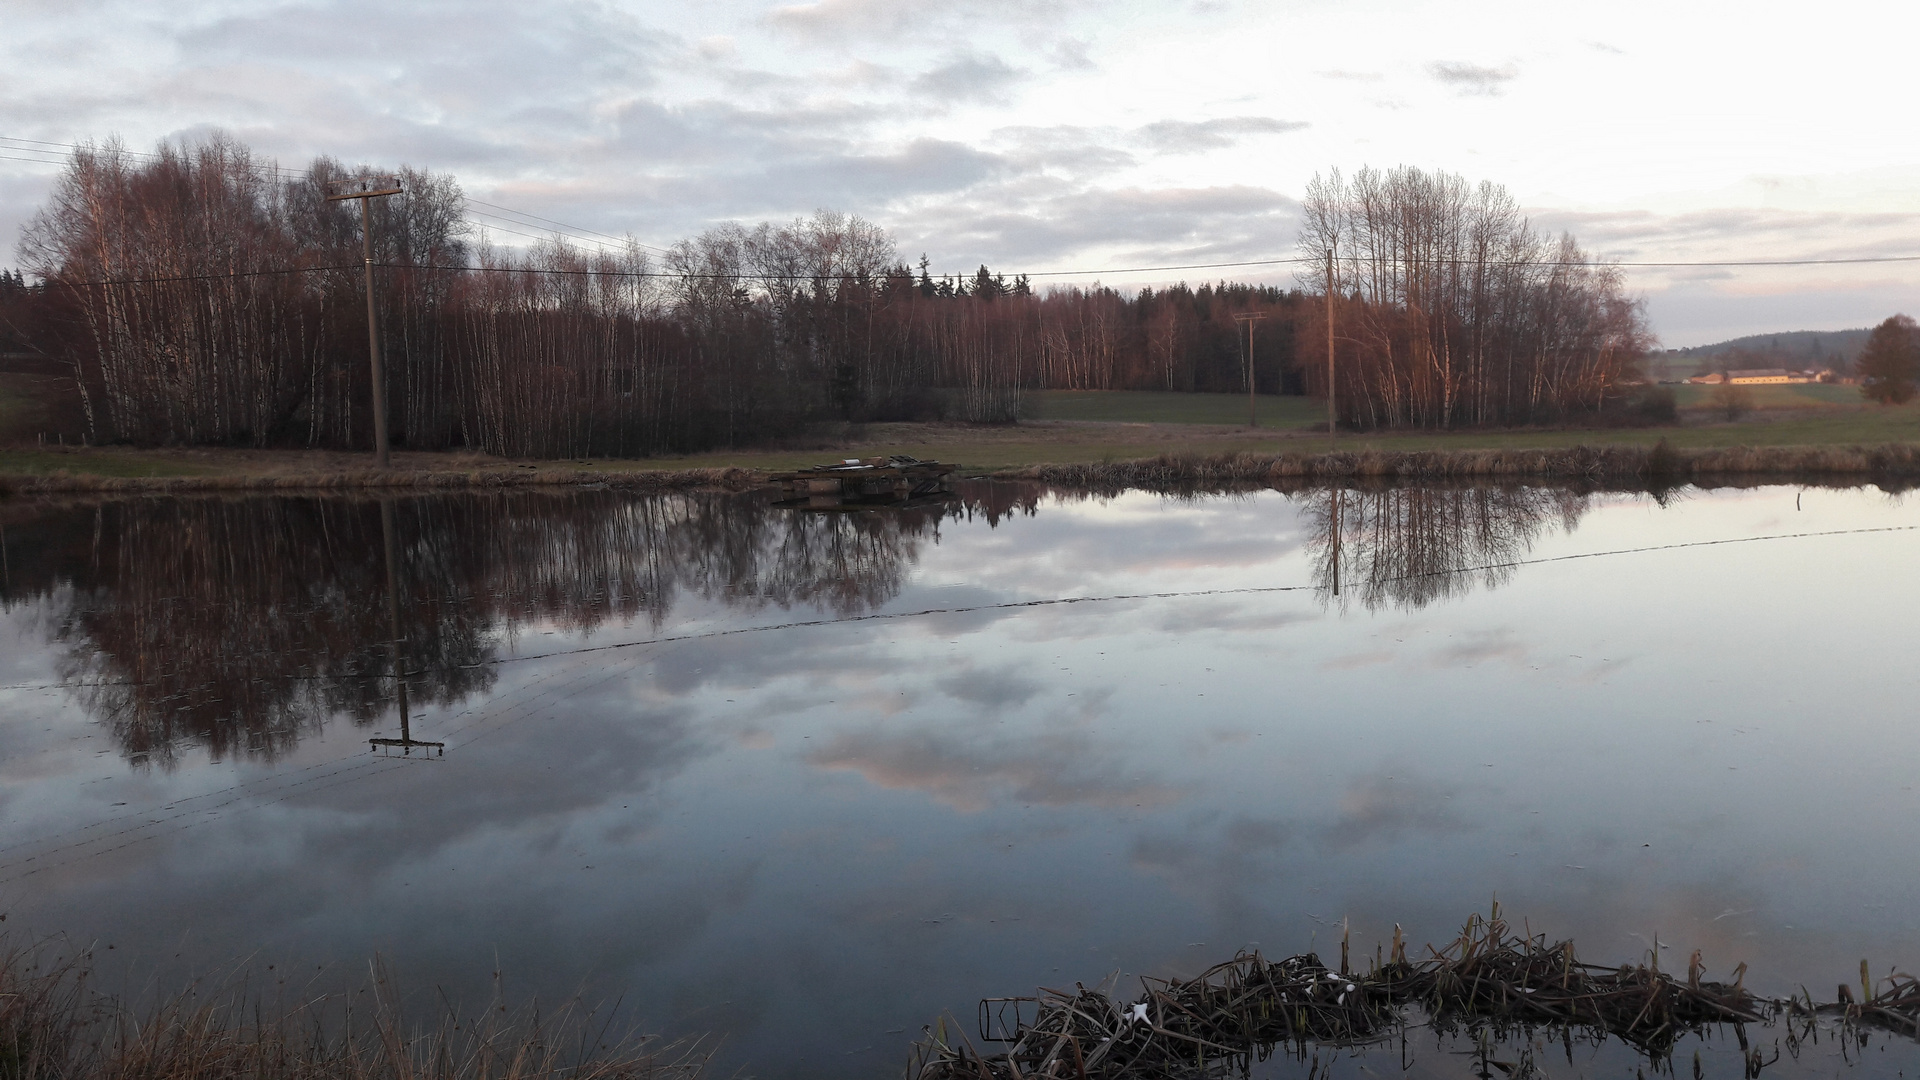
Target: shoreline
(1658, 465)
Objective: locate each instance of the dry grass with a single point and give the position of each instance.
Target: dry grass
(391, 480)
(1618, 466)
(1601, 466)
(54, 1026)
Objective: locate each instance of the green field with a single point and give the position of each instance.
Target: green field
(1165, 407)
(102, 462)
(1073, 427)
(1794, 396)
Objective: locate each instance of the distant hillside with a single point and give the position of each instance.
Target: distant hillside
(1796, 349)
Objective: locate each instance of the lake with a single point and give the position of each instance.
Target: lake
(808, 781)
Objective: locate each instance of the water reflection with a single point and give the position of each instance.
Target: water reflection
(812, 834)
(239, 625)
(1407, 547)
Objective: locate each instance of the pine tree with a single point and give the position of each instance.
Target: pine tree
(1890, 365)
(984, 285)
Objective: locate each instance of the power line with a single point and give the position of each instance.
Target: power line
(581, 234)
(564, 225)
(751, 276)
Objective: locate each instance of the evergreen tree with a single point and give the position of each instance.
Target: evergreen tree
(1890, 365)
(985, 286)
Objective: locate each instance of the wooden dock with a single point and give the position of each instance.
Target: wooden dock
(866, 482)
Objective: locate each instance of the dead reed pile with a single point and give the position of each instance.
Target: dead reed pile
(54, 1026)
(1235, 1013)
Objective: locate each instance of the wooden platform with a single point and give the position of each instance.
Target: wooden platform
(866, 482)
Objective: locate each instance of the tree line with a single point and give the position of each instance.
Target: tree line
(1450, 308)
(200, 294)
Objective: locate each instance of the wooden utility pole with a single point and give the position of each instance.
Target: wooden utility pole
(1336, 540)
(366, 189)
(406, 742)
(1250, 317)
(1330, 412)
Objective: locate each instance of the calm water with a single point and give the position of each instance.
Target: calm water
(808, 781)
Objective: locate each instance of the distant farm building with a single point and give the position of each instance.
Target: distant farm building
(1755, 377)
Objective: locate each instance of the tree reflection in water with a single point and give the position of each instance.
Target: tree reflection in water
(238, 626)
(1407, 547)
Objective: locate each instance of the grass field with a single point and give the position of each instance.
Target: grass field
(1766, 398)
(23, 410)
(1162, 407)
(1070, 428)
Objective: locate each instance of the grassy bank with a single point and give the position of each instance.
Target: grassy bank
(1792, 430)
(1894, 464)
(55, 1026)
(1608, 465)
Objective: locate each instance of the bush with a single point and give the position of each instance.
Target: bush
(1732, 401)
(1890, 365)
(1642, 406)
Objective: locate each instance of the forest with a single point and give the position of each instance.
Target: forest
(200, 294)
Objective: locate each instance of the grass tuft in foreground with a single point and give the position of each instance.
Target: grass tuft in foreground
(55, 1026)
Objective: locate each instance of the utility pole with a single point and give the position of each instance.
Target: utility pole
(406, 742)
(1330, 413)
(366, 189)
(1336, 540)
(1250, 317)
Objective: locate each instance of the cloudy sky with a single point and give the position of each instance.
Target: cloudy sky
(1040, 135)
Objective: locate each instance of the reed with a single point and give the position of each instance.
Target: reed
(55, 1026)
(1487, 981)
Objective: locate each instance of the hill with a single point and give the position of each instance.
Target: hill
(1796, 349)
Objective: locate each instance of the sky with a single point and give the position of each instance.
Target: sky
(1046, 135)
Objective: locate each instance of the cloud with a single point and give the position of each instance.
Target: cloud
(1386, 806)
(1483, 646)
(1230, 866)
(976, 77)
(1061, 768)
(993, 691)
(839, 20)
(1070, 54)
(1187, 136)
(1045, 220)
(1473, 79)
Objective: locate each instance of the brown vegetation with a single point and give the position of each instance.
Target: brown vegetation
(1451, 309)
(1632, 466)
(1618, 466)
(1487, 982)
(55, 1026)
